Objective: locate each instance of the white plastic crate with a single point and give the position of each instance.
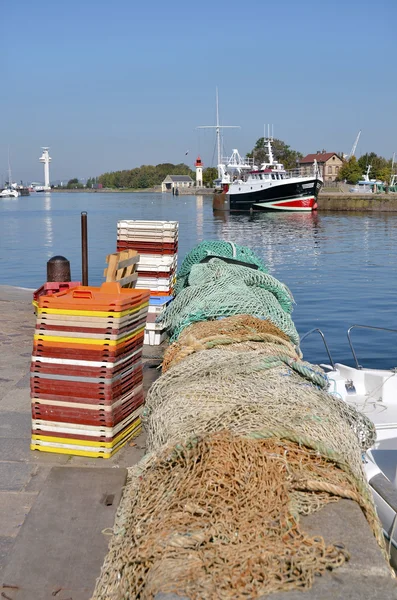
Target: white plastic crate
(155, 288)
(141, 224)
(154, 338)
(158, 260)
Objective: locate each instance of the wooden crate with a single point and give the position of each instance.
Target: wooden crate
(122, 268)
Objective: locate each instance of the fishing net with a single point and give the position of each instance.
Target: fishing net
(237, 333)
(217, 289)
(244, 391)
(215, 248)
(216, 518)
(243, 438)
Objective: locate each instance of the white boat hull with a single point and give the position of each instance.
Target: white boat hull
(9, 194)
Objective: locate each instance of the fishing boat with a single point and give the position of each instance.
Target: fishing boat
(374, 393)
(246, 186)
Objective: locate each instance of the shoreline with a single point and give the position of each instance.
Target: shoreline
(182, 192)
(328, 201)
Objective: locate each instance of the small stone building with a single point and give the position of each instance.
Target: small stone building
(176, 181)
(328, 162)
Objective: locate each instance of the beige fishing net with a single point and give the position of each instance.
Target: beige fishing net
(242, 438)
(247, 391)
(239, 329)
(218, 518)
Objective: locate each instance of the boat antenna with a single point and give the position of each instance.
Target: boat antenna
(218, 128)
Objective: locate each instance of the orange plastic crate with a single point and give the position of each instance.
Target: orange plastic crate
(109, 297)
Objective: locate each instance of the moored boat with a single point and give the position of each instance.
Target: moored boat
(244, 186)
(9, 192)
(373, 392)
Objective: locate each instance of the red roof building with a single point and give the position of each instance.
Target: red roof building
(329, 163)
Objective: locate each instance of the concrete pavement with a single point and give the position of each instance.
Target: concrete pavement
(22, 471)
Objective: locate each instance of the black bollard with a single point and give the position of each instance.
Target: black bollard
(58, 269)
(84, 249)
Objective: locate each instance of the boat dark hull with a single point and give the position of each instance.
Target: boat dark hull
(296, 196)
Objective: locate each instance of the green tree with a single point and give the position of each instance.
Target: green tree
(380, 167)
(350, 171)
(209, 174)
(145, 176)
(281, 151)
(74, 184)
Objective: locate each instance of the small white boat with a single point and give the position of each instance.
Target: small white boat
(9, 192)
(374, 393)
(366, 185)
(11, 189)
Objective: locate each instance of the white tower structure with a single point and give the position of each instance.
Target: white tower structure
(199, 172)
(45, 158)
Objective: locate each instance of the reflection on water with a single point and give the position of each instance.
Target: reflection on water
(199, 218)
(341, 268)
(48, 225)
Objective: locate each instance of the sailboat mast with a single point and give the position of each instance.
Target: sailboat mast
(218, 131)
(218, 128)
(9, 169)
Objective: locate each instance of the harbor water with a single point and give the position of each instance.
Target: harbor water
(340, 267)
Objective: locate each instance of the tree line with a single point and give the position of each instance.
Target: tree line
(146, 176)
(353, 170)
(149, 176)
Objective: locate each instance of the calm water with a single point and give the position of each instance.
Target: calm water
(342, 269)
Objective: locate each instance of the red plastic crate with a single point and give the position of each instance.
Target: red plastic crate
(54, 287)
(84, 416)
(95, 401)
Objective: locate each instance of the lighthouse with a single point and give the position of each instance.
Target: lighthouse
(45, 158)
(199, 172)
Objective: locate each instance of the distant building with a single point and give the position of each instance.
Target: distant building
(176, 181)
(329, 163)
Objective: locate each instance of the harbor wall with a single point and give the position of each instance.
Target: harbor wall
(357, 202)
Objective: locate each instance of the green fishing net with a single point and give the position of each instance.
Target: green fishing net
(215, 248)
(217, 289)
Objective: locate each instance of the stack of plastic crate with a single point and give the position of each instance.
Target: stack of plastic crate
(86, 370)
(157, 244)
(154, 333)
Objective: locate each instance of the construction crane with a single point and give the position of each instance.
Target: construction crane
(353, 150)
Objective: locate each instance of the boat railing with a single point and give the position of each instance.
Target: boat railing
(304, 172)
(317, 330)
(237, 162)
(364, 327)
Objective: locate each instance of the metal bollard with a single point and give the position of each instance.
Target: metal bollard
(84, 249)
(58, 269)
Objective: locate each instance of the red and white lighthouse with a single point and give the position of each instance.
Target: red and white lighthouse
(199, 172)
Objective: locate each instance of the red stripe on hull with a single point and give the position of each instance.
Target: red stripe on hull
(298, 203)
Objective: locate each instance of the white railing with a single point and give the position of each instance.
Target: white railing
(305, 172)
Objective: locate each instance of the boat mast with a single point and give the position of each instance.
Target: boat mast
(218, 128)
(9, 169)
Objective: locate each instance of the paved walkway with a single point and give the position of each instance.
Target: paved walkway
(23, 472)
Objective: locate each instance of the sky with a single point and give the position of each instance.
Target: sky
(114, 85)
